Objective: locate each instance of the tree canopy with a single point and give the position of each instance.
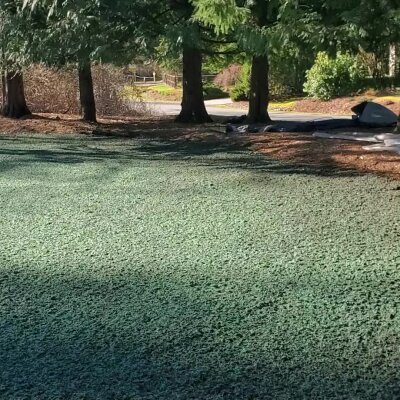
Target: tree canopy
(265, 32)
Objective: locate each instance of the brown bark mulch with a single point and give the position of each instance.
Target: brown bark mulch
(340, 106)
(294, 148)
(329, 153)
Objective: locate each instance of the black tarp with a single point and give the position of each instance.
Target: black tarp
(367, 114)
(374, 114)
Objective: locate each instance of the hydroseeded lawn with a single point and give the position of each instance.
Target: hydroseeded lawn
(139, 270)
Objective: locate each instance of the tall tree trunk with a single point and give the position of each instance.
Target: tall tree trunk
(3, 88)
(259, 90)
(193, 107)
(392, 60)
(86, 92)
(14, 103)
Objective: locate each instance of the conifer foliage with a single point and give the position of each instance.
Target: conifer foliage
(83, 32)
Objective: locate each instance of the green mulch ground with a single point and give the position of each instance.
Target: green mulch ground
(144, 270)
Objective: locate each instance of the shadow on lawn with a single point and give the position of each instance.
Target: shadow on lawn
(138, 337)
(227, 155)
(219, 154)
(113, 332)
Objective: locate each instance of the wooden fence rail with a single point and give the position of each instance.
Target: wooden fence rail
(137, 79)
(168, 79)
(175, 80)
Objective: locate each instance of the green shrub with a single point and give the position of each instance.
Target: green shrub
(241, 89)
(334, 77)
(213, 91)
(287, 70)
(286, 76)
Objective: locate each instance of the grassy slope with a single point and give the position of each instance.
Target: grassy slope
(164, 92)
(160, 92)
(143, 271)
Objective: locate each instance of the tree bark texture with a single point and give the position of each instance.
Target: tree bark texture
(259, 91)
(14, 103)
(193, 107)
(86, 92)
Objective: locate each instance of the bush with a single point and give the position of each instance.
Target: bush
(228, 77)
(288, 67)
(286, 77)
(212, 91)
(52, 90)
(109, 82)
(334, 77)
(55, 90)
(241, 90)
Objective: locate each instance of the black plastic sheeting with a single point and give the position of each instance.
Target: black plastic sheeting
(312, 126)
(295, 126)
(375, 114)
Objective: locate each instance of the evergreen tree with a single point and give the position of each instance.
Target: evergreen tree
(249, 22)
(17, 36)
(182, 38)
(87, 31)
(189, 40)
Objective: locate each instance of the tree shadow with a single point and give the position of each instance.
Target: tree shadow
(135, 336)
(74, 329)
(234, 155)
(213, 153)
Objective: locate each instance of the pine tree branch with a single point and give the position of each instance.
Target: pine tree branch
(227, 52)
(216, 41)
